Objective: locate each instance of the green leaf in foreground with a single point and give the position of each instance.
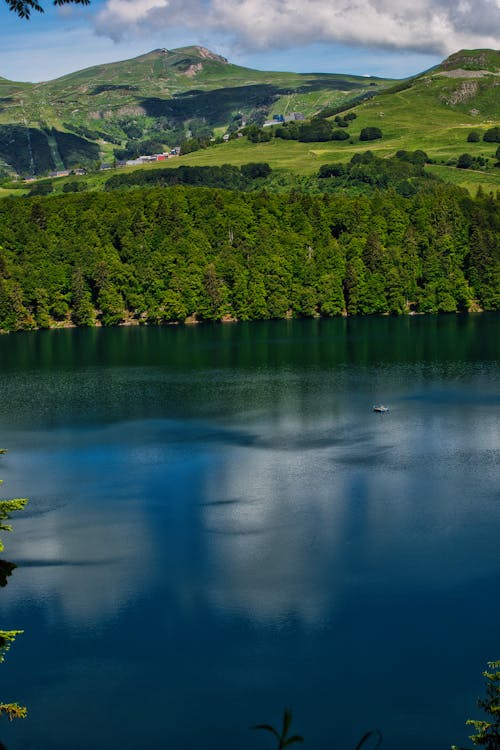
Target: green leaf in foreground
(487, 732)
(282, 738)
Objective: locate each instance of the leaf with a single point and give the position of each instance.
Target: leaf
(291, 740)
(13, 710)
(267, 728)
(287, 720)
(367, 736)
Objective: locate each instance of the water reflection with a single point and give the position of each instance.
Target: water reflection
(282, 514)
(218, 521)
(77, 552)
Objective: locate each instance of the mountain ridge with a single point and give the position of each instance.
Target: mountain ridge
(159, 98)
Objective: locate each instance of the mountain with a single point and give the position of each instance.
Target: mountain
(435, 111)
(151, 102)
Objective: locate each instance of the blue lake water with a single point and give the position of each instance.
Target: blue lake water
(219, 526)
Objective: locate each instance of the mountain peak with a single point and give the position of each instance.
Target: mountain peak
(487, 60)
(193, 51)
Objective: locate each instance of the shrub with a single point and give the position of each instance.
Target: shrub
(253, 170)
(492, 135)
(473, 137)
(465, 161)
(331, 170)
(370, 134)
(340, 135)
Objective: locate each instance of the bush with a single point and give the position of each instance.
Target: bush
(43, 188)
(331, 170)
(315, 131)
(340, 135)
(74, 187)
(492, 135)
(255, 169)
(370, 134)
(258, 135)
(473, 137)
(465, 161)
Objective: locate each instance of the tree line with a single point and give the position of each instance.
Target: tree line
(170, 254)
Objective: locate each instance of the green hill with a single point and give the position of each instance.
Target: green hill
(435, 112)
(159, 99)
(151, 102)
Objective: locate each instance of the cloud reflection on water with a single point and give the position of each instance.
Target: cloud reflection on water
(292, 509)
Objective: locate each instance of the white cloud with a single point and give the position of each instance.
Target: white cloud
(439, 26)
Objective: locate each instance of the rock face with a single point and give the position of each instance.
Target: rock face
(467, 90)
(208, 55)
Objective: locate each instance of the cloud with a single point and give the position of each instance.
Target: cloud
(433, 26)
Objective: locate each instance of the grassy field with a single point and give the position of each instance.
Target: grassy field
(289, 158)
(469, 179)
(416, 118)
(4, 192)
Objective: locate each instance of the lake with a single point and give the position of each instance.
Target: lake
(219, 526)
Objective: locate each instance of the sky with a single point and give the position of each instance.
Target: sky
(390, 38)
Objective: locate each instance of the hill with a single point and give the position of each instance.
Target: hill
(152, 102)
(435, 112)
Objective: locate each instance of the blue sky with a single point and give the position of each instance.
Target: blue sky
(377, 37)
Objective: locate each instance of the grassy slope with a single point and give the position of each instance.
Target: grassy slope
(174, 85)
(419, 116)
(415, 118)
(76, 97)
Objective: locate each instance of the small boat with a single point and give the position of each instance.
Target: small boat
(380, 408)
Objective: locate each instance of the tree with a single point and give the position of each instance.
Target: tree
(7, 637)
(492, 135)
(465, 161)
(473, 137)
(487, 733)
(24, 8)
(370, 134)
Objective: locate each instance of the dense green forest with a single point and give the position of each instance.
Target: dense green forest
(170, 254)
(226, 176)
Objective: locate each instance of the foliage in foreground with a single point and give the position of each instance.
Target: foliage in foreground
(487, 732)
(7, 637)
(284, 739)
(24, 8)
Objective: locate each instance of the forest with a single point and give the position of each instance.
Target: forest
(169, 254)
